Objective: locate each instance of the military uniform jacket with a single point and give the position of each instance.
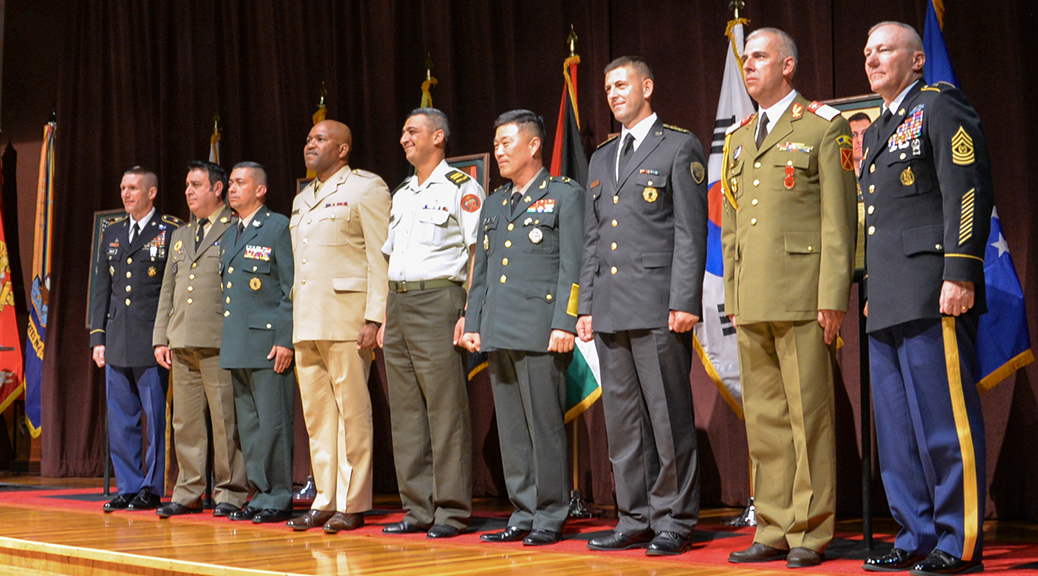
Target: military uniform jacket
(926, 181)
(527, 266)
(127, 282)
(645, 233)
(340, 273)
(790, 216)
(190, 312)
(257, 290)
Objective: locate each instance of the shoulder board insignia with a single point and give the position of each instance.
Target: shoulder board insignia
(937, 86)
(823, 110)
(676, 129)
(172, 220)
(499, 188)
(458, 177)
(607, 141)
(121, 218)
(740, 123)
(364, 173)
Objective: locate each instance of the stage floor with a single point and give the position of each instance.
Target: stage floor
(57, 527)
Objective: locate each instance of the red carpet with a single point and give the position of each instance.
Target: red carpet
(711, 543)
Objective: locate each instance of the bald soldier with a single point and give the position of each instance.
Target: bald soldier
(789, 223)
(338, 225)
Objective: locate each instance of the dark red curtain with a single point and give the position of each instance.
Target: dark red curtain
(139, 83)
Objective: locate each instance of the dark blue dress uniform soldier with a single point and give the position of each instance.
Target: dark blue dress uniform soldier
(926, 180)
(256, 266)
(126, 285)
(641, 287)
(522, 311)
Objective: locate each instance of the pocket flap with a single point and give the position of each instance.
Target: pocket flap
(256, 266)
(654, 180)
(803, 242)
(262, 322)
(541, 218)
(336, 213)
(657, 259)
(545, 292)
(800, 160)
(922, 240)
(349, 284)
(432, 216)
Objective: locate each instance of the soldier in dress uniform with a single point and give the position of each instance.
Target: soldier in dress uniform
(523, 312)
(788, 235)
(641, 288)
(126, 284)
(432, 233)
(926, 179)
(338, 225)
(256, 266)
(188, 326)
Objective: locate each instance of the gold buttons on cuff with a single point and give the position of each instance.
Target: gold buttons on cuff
(614, 223)
(613, 269)
(872, 230)
(504, 278)
(504, 261)
(613, 246)
(508, 243)
(511, 226)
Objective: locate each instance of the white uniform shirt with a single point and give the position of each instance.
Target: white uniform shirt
(432, 227)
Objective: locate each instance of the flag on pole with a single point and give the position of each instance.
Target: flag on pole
(1003, 341)
(214, 141)
(714, 336)
(11, 361)
(40, 284)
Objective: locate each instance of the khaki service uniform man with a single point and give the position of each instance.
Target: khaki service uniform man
(433, 229)
(256, 266)
(188, 328)
(788, 234)
(338, 226)
(523, 312)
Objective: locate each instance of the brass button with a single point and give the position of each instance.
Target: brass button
(616, 199)
(129, 260)
(511, 226)
(753, 221)
(613, 246)
(903, 155)
(195, 265)
(307, 220)
(190, 276)
(128, 288)
(939, 247)
(254, 268)
(650, 182)
(810, 248)
(305, 240)
(872, 209)
(872, 168)
(872, 189)
(504, 261)
(614, 223)
(268, 326)
(508, 243)
(613, 269)
(303, 282)
(226, 313)
(128, 275)
(228, 285)
(189, 301)
(333, 216)
(228, 299)
(548, 297)
(504, 278)
(872, 230)
(304, 260)
(756, 182)
(127, 301)
(190, 288)
(230, 270)
(756, 164)
(754, 202)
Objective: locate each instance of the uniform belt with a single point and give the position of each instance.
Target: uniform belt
(421, 285)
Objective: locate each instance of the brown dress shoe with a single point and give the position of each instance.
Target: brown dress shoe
(340, 522)
(312, 519)
(757, 553)
(803, 558)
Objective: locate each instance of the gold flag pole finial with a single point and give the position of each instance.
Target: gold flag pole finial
(572, 41)
(428, 66)
(322, 95)
(216, 122)
(736, 5)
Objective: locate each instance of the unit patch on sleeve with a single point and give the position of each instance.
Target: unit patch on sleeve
(470, 202)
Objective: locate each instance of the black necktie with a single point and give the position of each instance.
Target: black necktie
(762, 133)
(625, 154)
(200, 233)
(134, 230)
(241, 230)
(516, 197)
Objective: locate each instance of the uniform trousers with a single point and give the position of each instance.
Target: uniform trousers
(264, 402)
(130, 392)
(930, 432)
(333, 389)
(429, 406)
(647, 400)
(200, 386)
(530, 403)
(787, 376)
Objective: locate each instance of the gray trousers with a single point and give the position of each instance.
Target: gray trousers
(264, 401)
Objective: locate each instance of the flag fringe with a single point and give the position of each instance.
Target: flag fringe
(584, 404)
(709, 367)
(570, 89)
(478, 368)
(1019, 361)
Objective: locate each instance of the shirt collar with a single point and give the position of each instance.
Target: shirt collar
(896, 102)
(439, 174)
(143, 221)
(246, 219)
(639, 131)
(778, 109)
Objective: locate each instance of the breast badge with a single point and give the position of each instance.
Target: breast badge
(152, 272)
(536, 235)
(178, 246)
(650, 194)
(255, 284)
(486, 243)
(789, 181)
(907, 176)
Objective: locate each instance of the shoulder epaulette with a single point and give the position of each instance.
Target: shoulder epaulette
(740, 124)
(119, 219)
(364, 173)
(400, 185)
(173, 220)
(458, 177)
(676, 129)
(501, 187)
(937, 86)
(608, 140)
(823, 110)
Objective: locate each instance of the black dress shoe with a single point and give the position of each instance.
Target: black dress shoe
(224, 509)
(803, 558)
(120, 502)
(442, 531)
(668, 544)
(940, 562)
(541, 537)
(245, 513)
(758, 553)
(175, 509)
(402, 527)
(620, 541)
(897, 560)
(510, 534)
(268, 515)
(144, 500)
